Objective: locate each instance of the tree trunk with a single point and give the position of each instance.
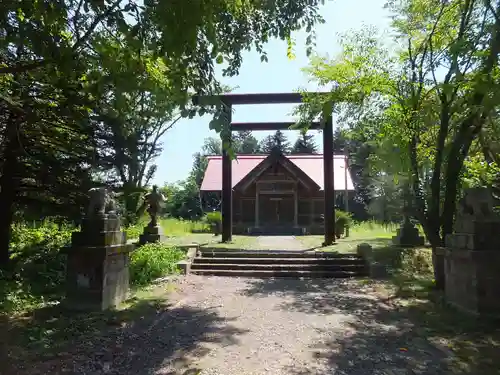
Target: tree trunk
(429, 224)
(8, 190)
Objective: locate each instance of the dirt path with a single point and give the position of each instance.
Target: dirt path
(231, 326)
(306, 327)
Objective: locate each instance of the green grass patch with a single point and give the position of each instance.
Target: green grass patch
(211, 241)
(152, 261)
(171, 227)
(377, 235)
(175, 227)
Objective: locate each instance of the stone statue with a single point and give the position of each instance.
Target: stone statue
(101, 202)
(477, 202)
(154, 201)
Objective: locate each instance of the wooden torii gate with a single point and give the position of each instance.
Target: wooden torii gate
(229, 100)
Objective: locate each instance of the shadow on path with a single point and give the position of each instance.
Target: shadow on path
(384, 338)
(143, 339)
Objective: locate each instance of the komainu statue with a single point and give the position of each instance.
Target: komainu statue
(477, 202)
(102, 201)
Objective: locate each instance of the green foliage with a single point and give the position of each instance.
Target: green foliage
(422, 121)
(213, 217)
(245, 143)
(304, 145)
(214, 220)
(36, 274)
(406, 264)
(343, 220)
(278, 140)
(152, 261)
(88, 88)
(134, 231)
(478, 172)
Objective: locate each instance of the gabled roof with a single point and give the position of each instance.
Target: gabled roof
(311, 165)
(276, 156)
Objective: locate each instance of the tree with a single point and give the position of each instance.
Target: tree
(46, 148)
(427, 132)
(50, 52)
(245, 143)
(132, 116)
(304, 144)
(277, 140)
(156, 25)
(386, 200)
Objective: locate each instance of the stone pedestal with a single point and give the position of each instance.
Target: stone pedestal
(151, 234)
(97, 274)
(408, 236)
(472, 265)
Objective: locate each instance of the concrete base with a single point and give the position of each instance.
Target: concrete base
(97, 271)
(408, 236)
(151, 235)
(184, 266)
(472, 279)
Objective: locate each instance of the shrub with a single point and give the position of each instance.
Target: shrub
(152, 261)
(417, 262)
(133, 231)
(342, 221)
(214, 219)
(37, 272)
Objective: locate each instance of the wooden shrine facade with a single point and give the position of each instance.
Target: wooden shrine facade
(276, 194)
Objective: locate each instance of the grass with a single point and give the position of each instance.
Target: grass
(171, 227)
(152, 261)
(377, 235)
(176, 227)
(373, 233)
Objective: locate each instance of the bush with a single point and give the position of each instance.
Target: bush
(342, 221)
(36, 274)
(152, 261)
(133, 231)
(214, 219)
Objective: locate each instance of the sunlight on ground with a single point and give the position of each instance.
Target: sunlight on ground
(375, 234)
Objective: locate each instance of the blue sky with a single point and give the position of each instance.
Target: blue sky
(278, 75)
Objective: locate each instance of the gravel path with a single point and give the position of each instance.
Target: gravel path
(231, 326)
(280, 243)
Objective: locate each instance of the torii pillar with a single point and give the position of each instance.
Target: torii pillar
(328, 175)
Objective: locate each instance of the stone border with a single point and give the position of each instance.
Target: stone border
(184, 266)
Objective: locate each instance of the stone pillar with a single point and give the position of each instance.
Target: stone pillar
(472, 257)
(407, 235)
(97, 274)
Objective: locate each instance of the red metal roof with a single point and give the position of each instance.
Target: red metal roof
(312, 165)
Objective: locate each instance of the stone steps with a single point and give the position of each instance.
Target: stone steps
(279, 260)
(275, 254)
(278, 267)
(274, 273)
(278, 264)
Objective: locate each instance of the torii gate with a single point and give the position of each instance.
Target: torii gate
(271, 98)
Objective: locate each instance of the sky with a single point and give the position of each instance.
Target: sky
(279, 74)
